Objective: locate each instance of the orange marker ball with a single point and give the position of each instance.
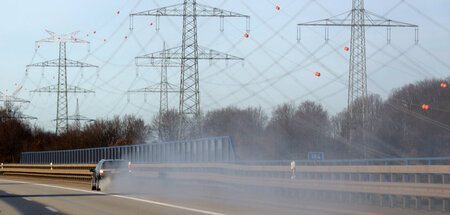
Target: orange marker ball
(317, 74)
(94, 32)
(277, 7)
(443, 85)
(151, 23)
(126, 37)
(118, 12)
(246, 35)
(346, 48)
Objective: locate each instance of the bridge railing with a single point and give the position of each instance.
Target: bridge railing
(215, 149)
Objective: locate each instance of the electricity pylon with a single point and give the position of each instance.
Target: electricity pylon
(358, 19)
(62, 88)
(188, 54)
(77, 117)
(8, 101)
(13, 97)
(163, 88)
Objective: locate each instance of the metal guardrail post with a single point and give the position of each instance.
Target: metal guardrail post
(90, 158)
(165, 153)
(85, 156)
(171, 152)
(141, 153)
(293, 170)
(212, 152)
(133, 154)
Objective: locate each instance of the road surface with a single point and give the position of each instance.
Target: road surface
(21, 195)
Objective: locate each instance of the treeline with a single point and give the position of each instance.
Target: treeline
(17, 135)
(396, 127)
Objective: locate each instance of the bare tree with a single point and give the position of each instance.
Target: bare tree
(166, 125)
(245, 126)
(411, 130)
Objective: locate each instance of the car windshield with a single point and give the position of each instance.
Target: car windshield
(115, 165)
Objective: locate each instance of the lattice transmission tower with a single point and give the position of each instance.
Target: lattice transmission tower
(163, 88)
(77, 117)
(62, 88)
(358, 19)
(188, 55)
(8, 105)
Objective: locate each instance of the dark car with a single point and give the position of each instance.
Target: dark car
(109, 169)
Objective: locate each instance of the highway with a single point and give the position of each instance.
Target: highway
(21, 195)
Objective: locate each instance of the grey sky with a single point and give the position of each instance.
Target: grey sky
(277, 69)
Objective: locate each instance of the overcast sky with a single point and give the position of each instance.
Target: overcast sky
(276, 68)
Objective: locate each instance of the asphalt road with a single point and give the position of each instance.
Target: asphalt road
(20, 195)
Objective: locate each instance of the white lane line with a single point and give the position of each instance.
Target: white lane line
(51, 209)
(170, 205)
(27, 199)
(8, 192)
(124, 197)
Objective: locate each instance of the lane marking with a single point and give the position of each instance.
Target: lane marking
(8, 192)
(27, 199)
(51, 209)
(123, 197)
(170, 205)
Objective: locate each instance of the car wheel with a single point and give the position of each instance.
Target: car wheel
(93, 187)
(97, 185)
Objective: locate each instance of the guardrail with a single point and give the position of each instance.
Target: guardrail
(420, 186)
(63, 171)
(378, 161)
(405, 174)
(384, 185)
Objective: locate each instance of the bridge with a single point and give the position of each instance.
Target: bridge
(203, 176)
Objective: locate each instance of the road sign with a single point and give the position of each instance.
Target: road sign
(315, 156)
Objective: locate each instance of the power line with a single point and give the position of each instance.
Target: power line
(358, 19)
(189, 54)
(62, 89)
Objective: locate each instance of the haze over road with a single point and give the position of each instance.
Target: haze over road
(40, 196)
